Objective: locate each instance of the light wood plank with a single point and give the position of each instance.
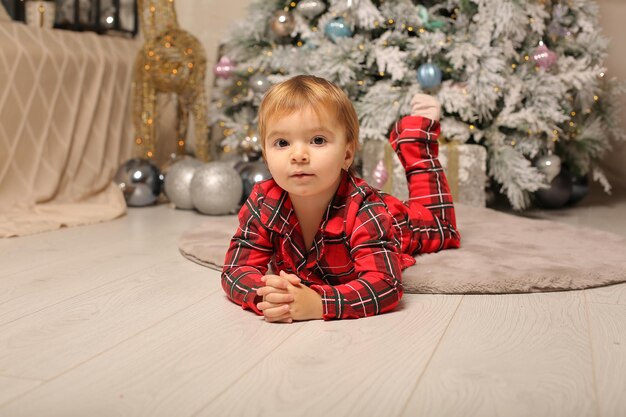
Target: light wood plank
(512, 355)
(343, 368)
(140, 226)
(608, 341)
(171, 369)
(613, 294)
(68, 273)
(59, 337)
(13, 387)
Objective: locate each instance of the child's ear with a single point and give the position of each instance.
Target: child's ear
(349, 158)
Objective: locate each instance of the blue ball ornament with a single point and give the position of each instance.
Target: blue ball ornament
(429, 75)
(337, 29)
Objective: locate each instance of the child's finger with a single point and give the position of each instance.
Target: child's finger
(268, 290)
(276, 313)
(293, 279)
(277, 298)
(265, 277)
(277, 282)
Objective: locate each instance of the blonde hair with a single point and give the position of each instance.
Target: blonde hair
(317, 93)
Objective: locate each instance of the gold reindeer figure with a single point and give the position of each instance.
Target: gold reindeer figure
(170, 61)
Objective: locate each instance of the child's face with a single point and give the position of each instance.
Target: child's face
(306, 153)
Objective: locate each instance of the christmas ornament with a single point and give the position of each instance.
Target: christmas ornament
(426, 22)
(251, 147)
(549, 165)
(251, 173)
(174, 157)
(282, 23)
(140, 181)
(310, 8)
(429, 75)
(170, 61)
(224, 68)
(557, 194)
(216, 188)
(178, 180)
(380, 174)
(259, 83)
(580, 188)
(337, 29)
(543, 57)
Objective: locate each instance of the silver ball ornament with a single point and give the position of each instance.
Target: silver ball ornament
(178, 182)
(557, 194)
(310, 8)
(216, 188)
(549, 165)
(259, 83)
(251, 146)
(140, 181)
(282, 23)
(251, 173)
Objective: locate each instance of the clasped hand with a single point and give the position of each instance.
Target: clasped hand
(285, 299)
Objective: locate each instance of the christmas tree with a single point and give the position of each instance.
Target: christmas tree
(524, 78)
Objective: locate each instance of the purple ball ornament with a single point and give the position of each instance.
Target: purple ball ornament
(224, 68)
(544, 57)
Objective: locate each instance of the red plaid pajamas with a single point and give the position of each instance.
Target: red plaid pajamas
(365, 239)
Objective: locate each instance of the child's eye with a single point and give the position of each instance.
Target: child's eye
(318, 140)
(281, 143)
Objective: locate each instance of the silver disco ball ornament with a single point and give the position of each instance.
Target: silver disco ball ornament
(251, 173)
(216, 188)
(140, 181)
(178, 182)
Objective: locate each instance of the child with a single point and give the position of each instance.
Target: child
(336, 245)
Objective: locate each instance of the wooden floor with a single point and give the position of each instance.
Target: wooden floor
(110, 320)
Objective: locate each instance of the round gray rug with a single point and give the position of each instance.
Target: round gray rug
(500, 253)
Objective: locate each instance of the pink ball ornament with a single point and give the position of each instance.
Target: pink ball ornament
(543, 57)
(224, 68)
(380, 174)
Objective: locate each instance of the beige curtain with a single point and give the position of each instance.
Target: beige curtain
(65, 127)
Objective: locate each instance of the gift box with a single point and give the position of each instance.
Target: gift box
(465, 167)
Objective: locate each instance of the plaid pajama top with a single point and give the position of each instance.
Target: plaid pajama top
(365, 239)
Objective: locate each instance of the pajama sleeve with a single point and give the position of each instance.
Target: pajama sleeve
(377, 262)
(247, 257)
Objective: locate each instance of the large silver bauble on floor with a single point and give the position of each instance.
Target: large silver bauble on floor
(216, 189)
(178, 182)
(140, 181)
(251, 173)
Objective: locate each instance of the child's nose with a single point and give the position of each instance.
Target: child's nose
(299, 154)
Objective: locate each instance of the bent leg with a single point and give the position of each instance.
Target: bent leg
(431, 211)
